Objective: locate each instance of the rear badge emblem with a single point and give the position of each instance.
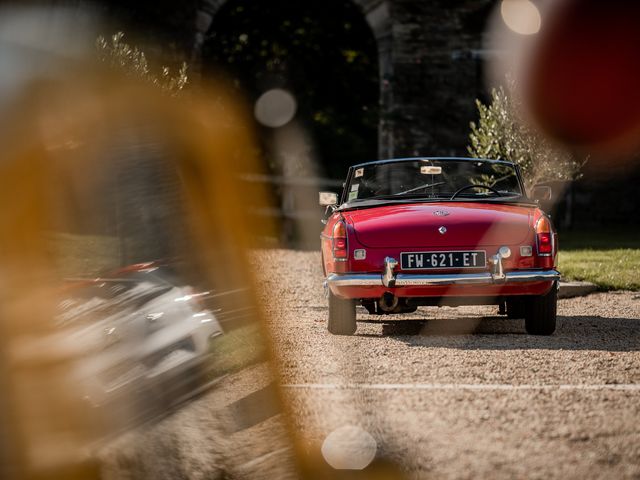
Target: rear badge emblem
(442, 230)
(441, 213)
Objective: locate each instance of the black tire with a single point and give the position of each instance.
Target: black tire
(540, 314)
(342, 316)
(516, 308)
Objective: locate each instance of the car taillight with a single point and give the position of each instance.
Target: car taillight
(544, 236)
(340, 247)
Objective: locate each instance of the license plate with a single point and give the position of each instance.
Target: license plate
(426, 260)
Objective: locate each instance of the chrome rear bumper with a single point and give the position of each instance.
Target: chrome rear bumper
(388, 278)
(410, 279)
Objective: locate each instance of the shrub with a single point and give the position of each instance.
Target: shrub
(132, 61)
(501, 134)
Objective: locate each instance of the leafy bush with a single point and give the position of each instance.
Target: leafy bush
(500, 133)
(132, 61)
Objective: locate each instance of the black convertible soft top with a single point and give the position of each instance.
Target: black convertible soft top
(413, 159)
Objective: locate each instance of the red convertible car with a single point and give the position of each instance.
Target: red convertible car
(439, 231)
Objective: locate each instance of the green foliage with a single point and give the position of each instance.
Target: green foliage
(503, 171)
(501, 134)
(608, 257)
(609, 269)
(132, 61)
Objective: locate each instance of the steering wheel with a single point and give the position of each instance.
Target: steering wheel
(475, 186)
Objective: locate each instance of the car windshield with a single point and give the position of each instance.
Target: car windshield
(437, 179)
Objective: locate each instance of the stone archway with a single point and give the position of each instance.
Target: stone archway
(429, 54)
(376, 15)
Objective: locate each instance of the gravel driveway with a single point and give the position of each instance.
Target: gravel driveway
(471, 396)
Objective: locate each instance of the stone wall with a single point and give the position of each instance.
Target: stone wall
(434, 76)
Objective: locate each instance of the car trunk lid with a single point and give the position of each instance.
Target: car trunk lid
(418, 225)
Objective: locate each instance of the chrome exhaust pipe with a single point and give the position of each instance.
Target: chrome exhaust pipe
(388, 302)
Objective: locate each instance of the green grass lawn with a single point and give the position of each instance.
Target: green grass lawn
(608, 258)
(237, 349)
(83, 255)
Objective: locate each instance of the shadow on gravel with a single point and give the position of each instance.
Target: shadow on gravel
(499, 333)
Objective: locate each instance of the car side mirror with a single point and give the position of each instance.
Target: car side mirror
(541, 193)
(328, 199)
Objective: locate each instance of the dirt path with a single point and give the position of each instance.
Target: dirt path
(495, 403)
(472, 396)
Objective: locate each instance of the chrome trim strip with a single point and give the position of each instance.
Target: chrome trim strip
(533, 275)
(444, 279)
(355, 280)
(412, 279)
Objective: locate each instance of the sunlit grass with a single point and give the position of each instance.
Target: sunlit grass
(617, 269)
(610, 258)
(236, 349)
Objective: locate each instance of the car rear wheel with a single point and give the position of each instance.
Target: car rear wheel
(342, 315)
(540, 314)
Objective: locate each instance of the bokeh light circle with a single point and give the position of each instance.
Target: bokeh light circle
(275, 108)
(521, 16)
(349, 448)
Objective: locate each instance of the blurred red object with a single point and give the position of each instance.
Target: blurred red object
(583, 81)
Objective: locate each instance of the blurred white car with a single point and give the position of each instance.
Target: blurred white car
(142, 336)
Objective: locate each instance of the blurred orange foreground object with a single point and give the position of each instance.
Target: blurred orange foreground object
(65, 135)
(61, 138)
